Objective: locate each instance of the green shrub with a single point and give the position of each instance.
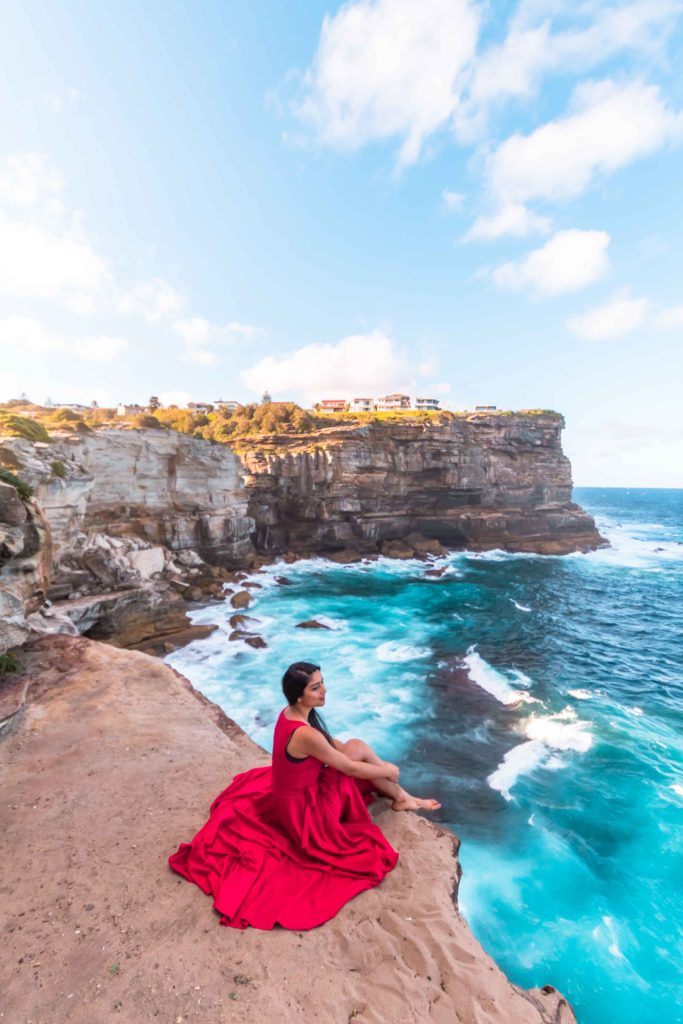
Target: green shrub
(9, 663)
(142, 420)
(24, 490)
(20, 426)
(58, 468)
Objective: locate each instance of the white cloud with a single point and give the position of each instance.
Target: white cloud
(39, 263)
(612, 124)
(100, 349)
(201, 356)
(24, 334)
(389, 69)
(453, 201)
(28, 335)
(154, 300)
(531, 49)
(360, 364)
(179, 398)
(568, 261)
(619, 316)
(198, 331)
(29, 180)
(668, 318)
(513, 219)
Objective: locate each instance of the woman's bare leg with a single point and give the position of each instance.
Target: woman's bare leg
(402, 800)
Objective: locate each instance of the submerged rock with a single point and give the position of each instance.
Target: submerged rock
(311, 624)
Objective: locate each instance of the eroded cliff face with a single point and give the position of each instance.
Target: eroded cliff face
(25, 565)
(479, 482)
(160, 486)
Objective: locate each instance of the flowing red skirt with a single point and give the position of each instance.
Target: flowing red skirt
(286, 857)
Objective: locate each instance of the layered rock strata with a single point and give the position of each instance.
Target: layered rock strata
(97, 927)
(480, 481)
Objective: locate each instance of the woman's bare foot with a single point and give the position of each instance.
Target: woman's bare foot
(414, 803)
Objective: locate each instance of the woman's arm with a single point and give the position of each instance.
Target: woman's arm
(308, 742)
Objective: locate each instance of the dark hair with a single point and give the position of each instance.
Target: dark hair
(294, 682)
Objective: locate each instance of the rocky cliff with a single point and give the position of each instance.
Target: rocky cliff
(125, 521)
(97, 928)
(479, 481)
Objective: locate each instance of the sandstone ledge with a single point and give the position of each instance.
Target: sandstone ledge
(113, 760)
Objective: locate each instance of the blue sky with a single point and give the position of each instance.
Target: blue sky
(480, 203)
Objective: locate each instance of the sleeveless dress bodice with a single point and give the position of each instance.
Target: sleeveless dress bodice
(288, 844)
(290, 773)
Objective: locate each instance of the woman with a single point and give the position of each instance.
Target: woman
(291, 843)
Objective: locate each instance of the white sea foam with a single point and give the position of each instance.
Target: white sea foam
(493, 681)
(580, 694)
(547, 736)
(518, 761)
(520, 607)
(561, 731)
(335, 624)
(396, 652)
(612, 940)
(677, 788)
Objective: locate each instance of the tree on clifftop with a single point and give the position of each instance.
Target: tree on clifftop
(153, 403)
(266, 399)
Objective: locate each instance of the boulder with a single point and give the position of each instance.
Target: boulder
(242, 599)
(396, 549)
(283, 581)
(12, 509)
(147, 562)
(344, 557)
(425, 545)
(311, 624)
(256, 641)
(237, 621)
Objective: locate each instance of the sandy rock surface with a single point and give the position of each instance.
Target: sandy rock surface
(113, 761)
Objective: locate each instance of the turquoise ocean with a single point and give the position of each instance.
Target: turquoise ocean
(540, 699)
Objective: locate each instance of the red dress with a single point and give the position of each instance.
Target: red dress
(289, 844)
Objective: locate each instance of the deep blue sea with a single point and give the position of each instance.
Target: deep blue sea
(540, 698)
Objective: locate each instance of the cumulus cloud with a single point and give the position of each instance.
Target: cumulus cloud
(533, 48)
(38, 263)
(358, 365)
(389, 69)
(619, 316)
(453, 201)
(612, 124)
(669, 318)
(513, 219)
(154, 300)
(30, 335)
(568, 261)
(46, 255)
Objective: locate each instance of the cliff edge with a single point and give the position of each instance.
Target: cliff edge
(110, 762)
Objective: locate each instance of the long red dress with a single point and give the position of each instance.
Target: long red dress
(288, 844)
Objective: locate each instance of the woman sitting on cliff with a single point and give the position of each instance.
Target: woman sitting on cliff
(291, 843)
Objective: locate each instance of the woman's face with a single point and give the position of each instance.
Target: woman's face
(314, 691)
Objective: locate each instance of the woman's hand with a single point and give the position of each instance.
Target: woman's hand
(392, 771)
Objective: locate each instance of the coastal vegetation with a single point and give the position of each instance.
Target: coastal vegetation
(23, 489)
(221, 424)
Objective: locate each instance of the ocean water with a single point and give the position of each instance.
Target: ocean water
(540, 699)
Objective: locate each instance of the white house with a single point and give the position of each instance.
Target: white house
(362, 404)
(426, 403)
(129, 410)
(389, 402)
(231, 406)
(485, 408)
(199, 407)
